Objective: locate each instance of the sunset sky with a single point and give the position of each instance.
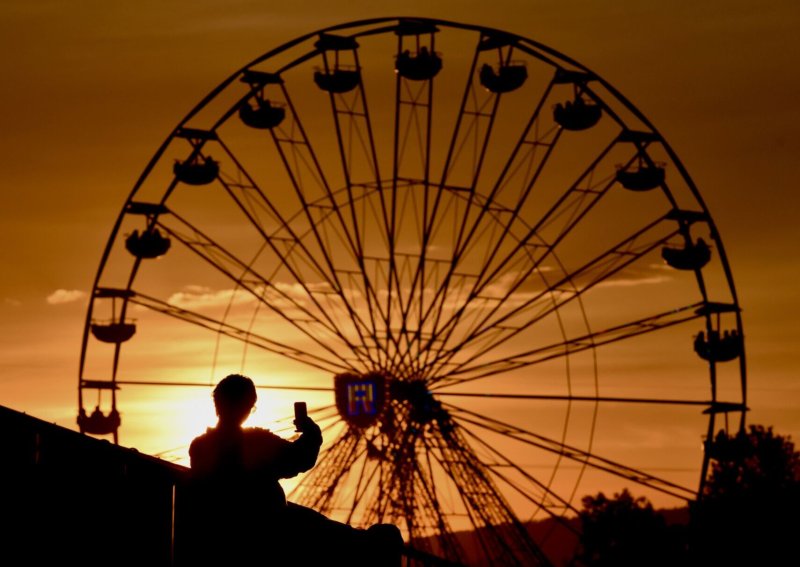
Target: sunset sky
(90, 90)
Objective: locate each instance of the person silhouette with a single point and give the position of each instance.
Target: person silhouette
(237, 510)
(255, 456)
(236, 471)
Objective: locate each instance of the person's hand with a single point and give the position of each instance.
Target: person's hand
(308, 427)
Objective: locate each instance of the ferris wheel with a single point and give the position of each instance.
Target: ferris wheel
(492, 264)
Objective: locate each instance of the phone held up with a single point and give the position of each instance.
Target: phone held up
(300, 415)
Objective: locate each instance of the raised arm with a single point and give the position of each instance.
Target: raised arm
(301, 454)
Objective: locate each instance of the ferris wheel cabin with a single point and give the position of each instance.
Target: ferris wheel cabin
(115, 330)
(148, 244)
(690, 257)
(418, 66)
(259, 112)
(505, 78)
(197, 170)
(337, 78)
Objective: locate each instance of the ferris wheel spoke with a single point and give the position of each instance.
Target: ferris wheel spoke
(256, 205)
(352, 237)
(321, 485)
(430, 210)
(399, 483)
(415, 504)
(298, 155)
(294, 141)
(527, 164)
(546, 491)
(572, 205)
(446, 538)
(314, 324)
(474, 127)
(475, 135)
(327, 422)
(429, 221)
(486, 539)
(485, 506)
(385, 482)
(364, 482)
(287, 247)
(230, 265)
(529, 249)
(301, 162)
(290, 249)
(413, 122)
(336, 363)
(559, 518)
(397, 452)
(209, 384)
(435, 308)
(410, 491)
(712, 406)
(428, 513)
(475, 369)
(573, 453)
(353, 127)
(393, 279)
(490, 332)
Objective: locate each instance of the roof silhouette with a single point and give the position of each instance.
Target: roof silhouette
(68, 498)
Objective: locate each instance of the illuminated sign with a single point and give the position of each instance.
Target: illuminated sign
(360, 398)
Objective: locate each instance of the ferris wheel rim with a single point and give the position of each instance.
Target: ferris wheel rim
(713, 404)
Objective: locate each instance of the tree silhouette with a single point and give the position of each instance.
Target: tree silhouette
(626, 531)
(748, 511)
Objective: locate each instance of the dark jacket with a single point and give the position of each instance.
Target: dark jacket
(252, 460)
(234, 505)
(253, 450)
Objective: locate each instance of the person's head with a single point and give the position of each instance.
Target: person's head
(234, 398)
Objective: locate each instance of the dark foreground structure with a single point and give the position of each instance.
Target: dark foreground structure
(70, 499)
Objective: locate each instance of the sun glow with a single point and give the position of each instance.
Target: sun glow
(175, 416)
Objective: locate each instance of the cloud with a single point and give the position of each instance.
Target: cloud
(632, 282)
(61, 296)
(280, 296)
(11, 302)
(195, 297)
(663, 267)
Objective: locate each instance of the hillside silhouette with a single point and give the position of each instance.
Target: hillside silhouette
(558, 538)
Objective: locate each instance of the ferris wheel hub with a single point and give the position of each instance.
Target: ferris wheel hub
(422, 407)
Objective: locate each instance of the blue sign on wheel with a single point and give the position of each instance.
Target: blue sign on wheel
(360, 398)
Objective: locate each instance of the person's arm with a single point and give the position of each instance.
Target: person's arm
(301, 454)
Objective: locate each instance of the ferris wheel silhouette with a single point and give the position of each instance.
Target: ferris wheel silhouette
(476, 246)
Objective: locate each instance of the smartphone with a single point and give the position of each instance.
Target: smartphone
(300, 414)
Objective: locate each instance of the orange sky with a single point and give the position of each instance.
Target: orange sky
(89, 90)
